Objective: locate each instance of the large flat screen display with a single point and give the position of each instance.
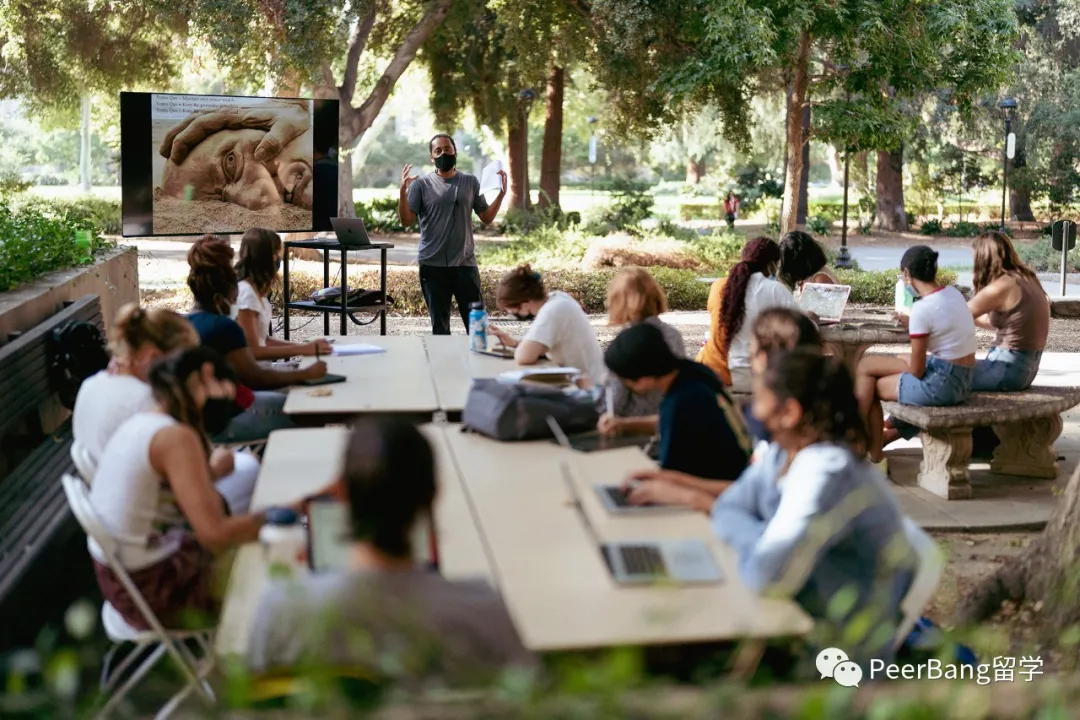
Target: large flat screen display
(194, 164)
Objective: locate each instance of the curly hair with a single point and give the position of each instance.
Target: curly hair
(801, 257)
(211, 275)
(256, 264)
(758, 256)
(518, 286)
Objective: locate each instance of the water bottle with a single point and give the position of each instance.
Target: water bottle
(284, 542)
(478, 321)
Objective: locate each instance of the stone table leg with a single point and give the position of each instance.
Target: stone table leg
(847, 353)
(1027, 448)
(944, 469)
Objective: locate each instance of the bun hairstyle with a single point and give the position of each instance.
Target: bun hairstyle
(758, 255)
(256, 263)
(921, 262)
(390, 482)
(633, 296)
(824, 390)
(801, 257)
(169, 381)
(781, 329)
(134, 328)
(518, 286)
(211, 275)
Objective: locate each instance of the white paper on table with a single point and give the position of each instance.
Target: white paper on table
(489, 178)
(359, 349)
(539, 372)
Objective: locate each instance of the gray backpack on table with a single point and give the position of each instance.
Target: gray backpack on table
(519, 411)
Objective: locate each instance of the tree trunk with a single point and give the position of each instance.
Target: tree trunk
(1046, 572)
(517, 151)
(1020, 192)
(84, 144)
(890, 191)
(804, 184)
(346, 205)
(796, 139)
(695, 170)
(551, 153)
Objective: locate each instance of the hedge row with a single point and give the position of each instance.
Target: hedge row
(34, 242)
(684, 289)
(96, 213)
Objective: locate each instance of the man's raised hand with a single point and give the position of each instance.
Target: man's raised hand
(406, 177)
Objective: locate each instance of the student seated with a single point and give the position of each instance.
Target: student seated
(106, 400)
(779, 329)
(940, 369)
(1009, 299)
(257, 268)
(633, 297)
(560, 328)
(701, 431)
(154, 494)
(386, 606)
(802, 260)
(815, 522)
(214, 284)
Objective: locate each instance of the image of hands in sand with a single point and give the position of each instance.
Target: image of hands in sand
(227, 167)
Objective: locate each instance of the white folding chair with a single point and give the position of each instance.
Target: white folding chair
(84, 462)
(927, 577)
(150, 645)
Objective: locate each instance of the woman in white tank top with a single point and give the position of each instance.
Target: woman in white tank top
(154, 493)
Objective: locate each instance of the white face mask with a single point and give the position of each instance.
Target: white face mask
(234, 311)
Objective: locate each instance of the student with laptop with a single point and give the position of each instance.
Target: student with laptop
(802, 260)
(260, 259)
(701, 431)
(385, 605)
(444, 202)
(776, 330)
(825, 529)
(940, 369)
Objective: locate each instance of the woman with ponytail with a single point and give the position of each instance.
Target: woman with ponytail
(734, 304)
(138, 338)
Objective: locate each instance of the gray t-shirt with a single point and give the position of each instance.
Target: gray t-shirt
(444, 208)
(631, 404)
(415, 627)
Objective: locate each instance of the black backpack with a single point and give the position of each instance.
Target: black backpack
(77, 350)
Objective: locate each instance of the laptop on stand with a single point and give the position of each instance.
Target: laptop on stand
(350, 232)
(687, 562)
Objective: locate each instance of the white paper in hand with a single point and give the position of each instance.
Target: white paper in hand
(489, 179)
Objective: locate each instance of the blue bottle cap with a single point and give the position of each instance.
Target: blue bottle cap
(282, 516)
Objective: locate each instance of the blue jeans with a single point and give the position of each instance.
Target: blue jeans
(1006, 370)
(264, 416)
(942, 384)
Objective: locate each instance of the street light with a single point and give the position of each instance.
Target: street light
(592, 154)
(526, 98)
(843, 258)
(1008, 110)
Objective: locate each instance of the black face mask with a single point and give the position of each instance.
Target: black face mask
(446, 162)
(525, 317)
(217, 413)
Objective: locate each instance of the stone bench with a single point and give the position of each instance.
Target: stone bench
(1027, 423)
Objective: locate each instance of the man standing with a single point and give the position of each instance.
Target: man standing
(444, 201)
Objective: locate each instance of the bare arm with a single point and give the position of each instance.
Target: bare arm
(407, 216)
(917, 359)
(257, 377)
(529, 352)
(998, 295)
(177, 453)
(712, 488)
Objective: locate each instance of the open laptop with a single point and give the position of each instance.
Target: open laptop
(593, 441)
(646, 562)
(350, 231)
(613, 497)
(824, 300)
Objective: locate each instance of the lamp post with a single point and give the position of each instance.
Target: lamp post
(843, 258)
(526, 98)
(1008, 109)
(592, 155)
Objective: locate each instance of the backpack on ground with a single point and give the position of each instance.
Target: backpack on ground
(519, 411)
(77, 350)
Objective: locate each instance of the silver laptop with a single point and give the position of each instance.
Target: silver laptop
(350, 231)
(649, 561)
(825, 300)
(613, 497)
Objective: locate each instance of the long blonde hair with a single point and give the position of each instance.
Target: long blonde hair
(995, 256)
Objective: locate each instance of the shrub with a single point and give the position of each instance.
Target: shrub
(818, 224)
(877, 287)
(963, 229)
(33, 243)
(831, 211)
(931, 227)
(1042, 257)
(88, 212)
(754, 185)
(380, 215)
(630, 204)
(700, 211)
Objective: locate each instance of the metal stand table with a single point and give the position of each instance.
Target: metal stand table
(344, 310)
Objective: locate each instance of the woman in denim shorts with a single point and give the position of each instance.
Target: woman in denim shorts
(1009, 299)
(941, 367)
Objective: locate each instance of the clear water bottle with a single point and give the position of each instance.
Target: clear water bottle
(478, 322)
(284, 542)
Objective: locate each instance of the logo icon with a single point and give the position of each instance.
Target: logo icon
(848, 674)
(828, 659)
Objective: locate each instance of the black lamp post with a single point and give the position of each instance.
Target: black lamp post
(843, 258)
(526, 97)
(1008, 109)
